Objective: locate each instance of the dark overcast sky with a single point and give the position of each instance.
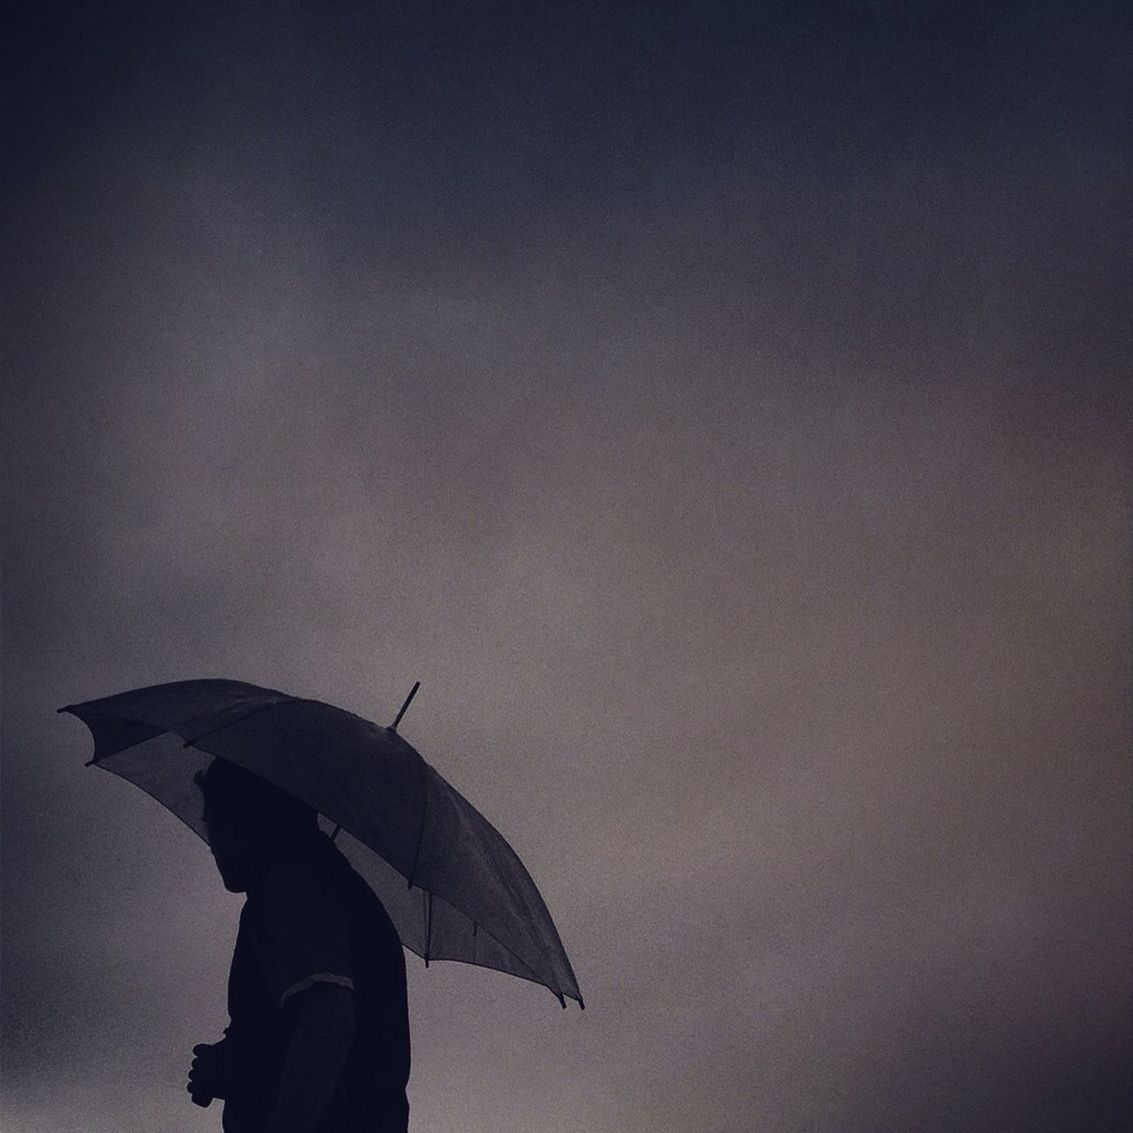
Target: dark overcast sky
(721, 408)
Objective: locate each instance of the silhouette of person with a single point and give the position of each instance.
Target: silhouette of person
(318, 1034)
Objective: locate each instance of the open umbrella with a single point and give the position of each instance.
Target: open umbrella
(452, 886)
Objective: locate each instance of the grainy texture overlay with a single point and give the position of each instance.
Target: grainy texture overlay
(718, 408)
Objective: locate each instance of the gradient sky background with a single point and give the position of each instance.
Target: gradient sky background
(719, 408)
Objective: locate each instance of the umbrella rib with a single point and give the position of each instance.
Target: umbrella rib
(420, 834)
(194, 740)
(529, 973)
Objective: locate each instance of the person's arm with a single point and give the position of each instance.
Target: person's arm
(322, 1031)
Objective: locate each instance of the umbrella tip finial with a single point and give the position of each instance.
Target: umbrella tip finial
(408, 699)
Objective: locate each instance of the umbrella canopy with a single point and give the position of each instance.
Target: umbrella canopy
(451, 884)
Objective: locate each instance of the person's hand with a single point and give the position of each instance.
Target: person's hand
(207, 1076)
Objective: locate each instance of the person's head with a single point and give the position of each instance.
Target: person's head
(250, 822)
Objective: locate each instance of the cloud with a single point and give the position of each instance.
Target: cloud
(758, 540)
